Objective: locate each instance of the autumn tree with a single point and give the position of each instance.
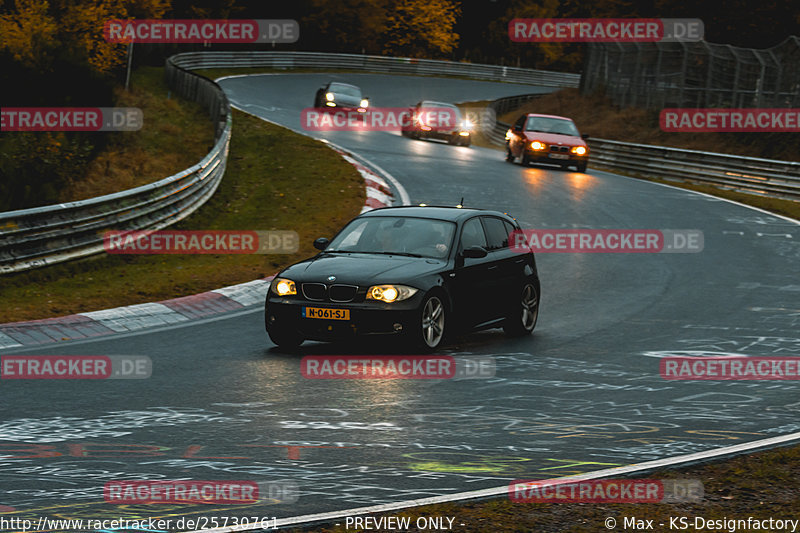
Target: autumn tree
(421, 28)
(29, 34)
(36, 33)
(348, 25)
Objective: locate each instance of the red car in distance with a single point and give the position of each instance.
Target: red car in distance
(547, 139)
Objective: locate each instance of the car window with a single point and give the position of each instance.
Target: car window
(351, 238)
(510, 228)
(348, 90)
(496, 233)
(411, 235)
(472, 234)
(552, 125)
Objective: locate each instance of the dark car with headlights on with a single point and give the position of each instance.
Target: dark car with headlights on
(438, 120)
(547, 139)
(421, 273)
(341, 95)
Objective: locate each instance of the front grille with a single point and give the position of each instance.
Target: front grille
(554, 148)
(342, 293)
(314, 291)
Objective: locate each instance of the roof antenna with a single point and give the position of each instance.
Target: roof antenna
(461, 203)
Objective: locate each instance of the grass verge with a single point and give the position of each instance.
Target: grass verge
(176, 134)
(275, 180)
(763, 485)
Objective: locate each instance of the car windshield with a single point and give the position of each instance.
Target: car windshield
(347, 90)
(552, 125)
(424, 237)
(438, 106)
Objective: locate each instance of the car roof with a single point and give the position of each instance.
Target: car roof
(548, 116)
(343, 84)
(452, 213)
(432, 103)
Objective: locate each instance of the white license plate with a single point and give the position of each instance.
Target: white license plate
(559, 156)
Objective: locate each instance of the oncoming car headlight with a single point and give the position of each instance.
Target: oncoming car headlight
(580, 150)
(283, 287)
(390, 293)
(536, 145)
(364, 102)
(328, 96)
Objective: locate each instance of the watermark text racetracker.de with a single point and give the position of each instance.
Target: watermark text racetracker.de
(730, 120)
(201, 242)
(625, 241)
(222, 492)
(606, 491)
(71, 119)
(730, 368)
(436, 119)
(397, 367)
(75, 367)
(201, 31)
(602, 30)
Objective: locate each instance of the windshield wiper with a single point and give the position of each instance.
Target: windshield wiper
(405, 254)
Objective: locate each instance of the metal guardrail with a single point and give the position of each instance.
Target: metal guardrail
(40, 236)
(380, 64)
(766, 177)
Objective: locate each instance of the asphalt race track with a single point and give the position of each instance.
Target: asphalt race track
(583, 393)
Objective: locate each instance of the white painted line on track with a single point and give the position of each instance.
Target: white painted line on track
(504, 490)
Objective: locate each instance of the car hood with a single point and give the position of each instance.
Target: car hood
(554, 138)
(361, 269)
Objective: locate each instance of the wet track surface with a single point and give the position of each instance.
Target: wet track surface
(583, 393)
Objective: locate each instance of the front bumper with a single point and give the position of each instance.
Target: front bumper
(443, 135)
(367, 318)
(543, 156)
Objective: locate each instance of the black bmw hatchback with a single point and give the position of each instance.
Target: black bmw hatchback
(422, 273)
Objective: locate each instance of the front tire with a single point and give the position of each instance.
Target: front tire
(509, 155)
(582, 166)
(522, 320)
(432, 323)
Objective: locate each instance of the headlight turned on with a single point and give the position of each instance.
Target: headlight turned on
(580, 150)
(283, 287)
(390, 293)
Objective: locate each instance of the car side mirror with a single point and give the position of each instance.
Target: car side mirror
(475, 252)
(585, 136)
(321, 243)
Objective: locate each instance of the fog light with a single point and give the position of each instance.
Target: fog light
(398, 327)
